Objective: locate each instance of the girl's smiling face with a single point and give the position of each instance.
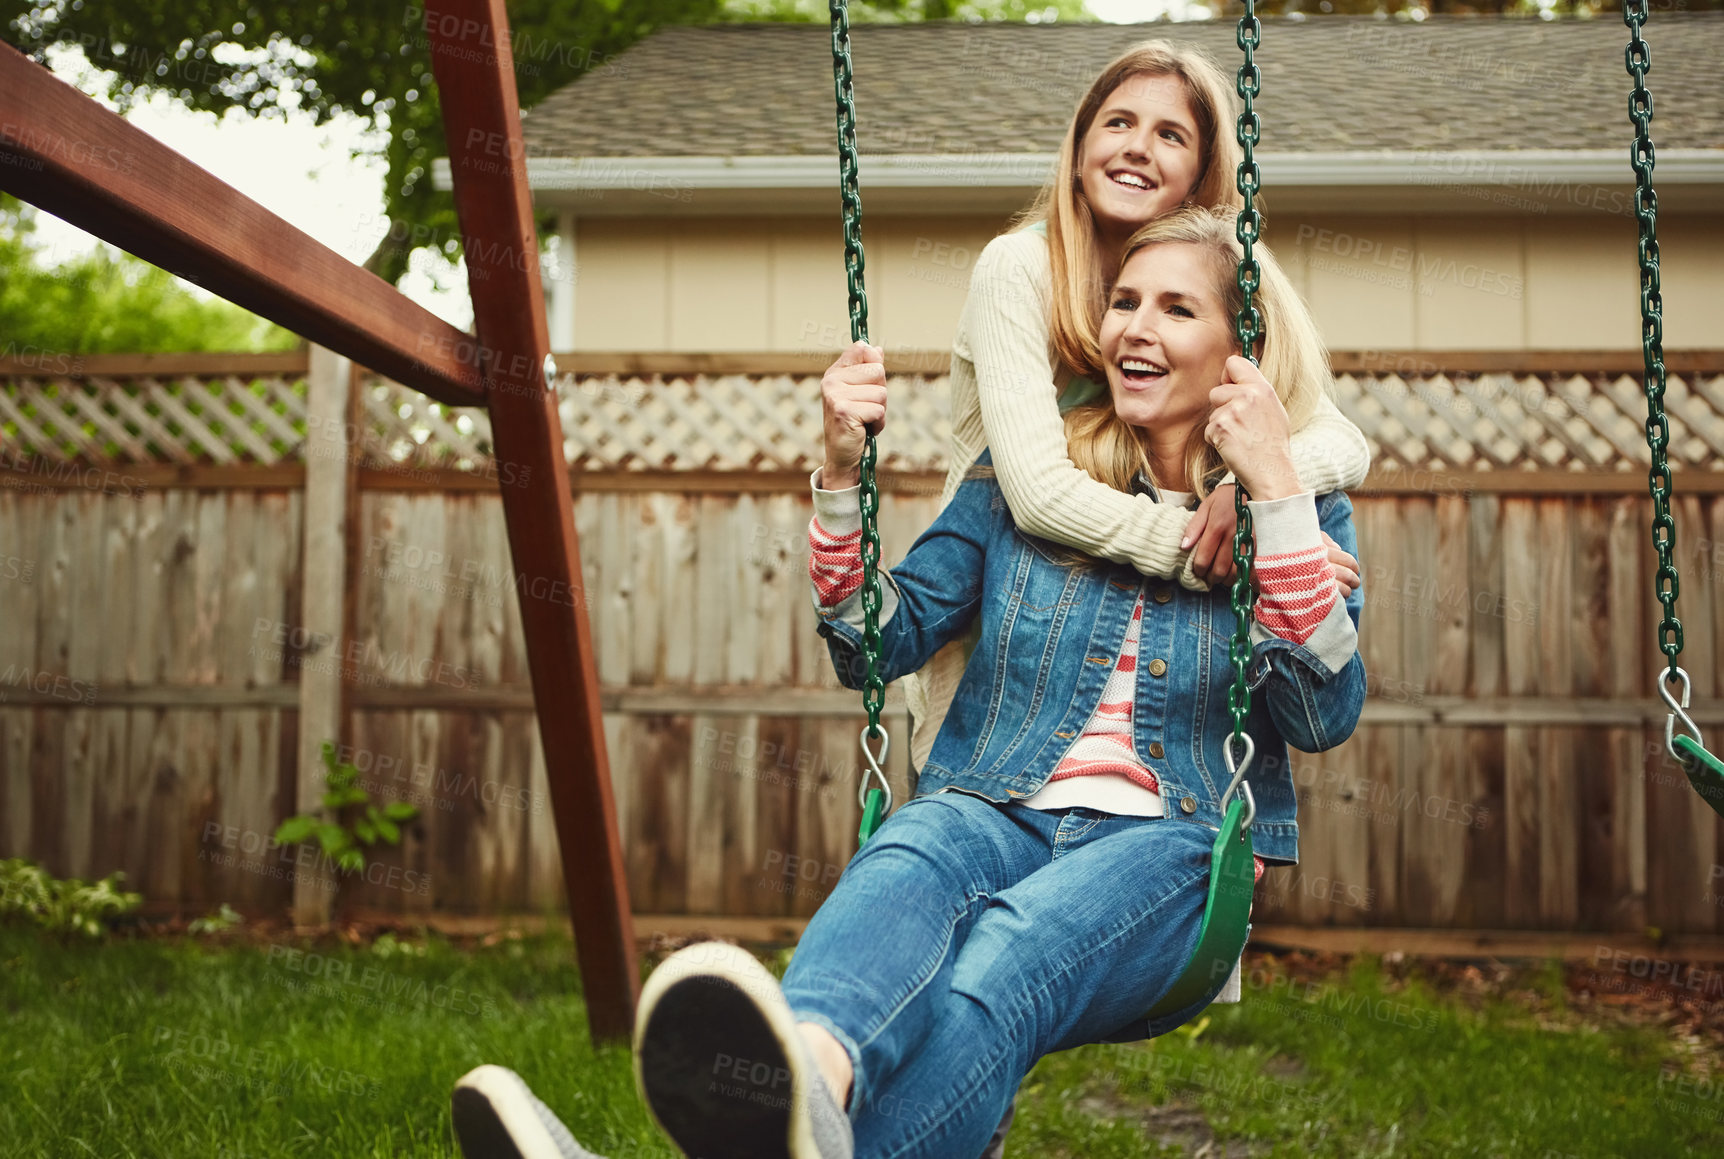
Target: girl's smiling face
(1141, 155)
(1165, 338)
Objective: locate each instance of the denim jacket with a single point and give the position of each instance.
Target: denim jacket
(1051, 632)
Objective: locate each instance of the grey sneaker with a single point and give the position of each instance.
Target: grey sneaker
(722, 1067)
(497, 1117)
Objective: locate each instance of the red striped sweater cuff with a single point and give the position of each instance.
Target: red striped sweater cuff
(1295, 588)
(835, 543)
(1295, 594)
(834, 563)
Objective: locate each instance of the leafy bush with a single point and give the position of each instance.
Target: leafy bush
(63, 905)
(354, 823)
(219, 922)
(386, 946)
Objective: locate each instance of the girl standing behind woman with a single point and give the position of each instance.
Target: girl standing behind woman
(1153, 133)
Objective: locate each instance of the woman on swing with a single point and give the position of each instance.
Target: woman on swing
(980, 928)
(1038, 894)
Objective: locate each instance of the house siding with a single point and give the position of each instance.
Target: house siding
(1373, 282)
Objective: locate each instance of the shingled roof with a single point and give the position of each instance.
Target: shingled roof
(1353, 84)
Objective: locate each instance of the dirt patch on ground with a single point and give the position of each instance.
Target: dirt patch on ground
(1170, 1124)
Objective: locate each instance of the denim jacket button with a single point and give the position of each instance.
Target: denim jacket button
(1158, 667)
(1188, 804)
(1163, 594)
(1157, 751)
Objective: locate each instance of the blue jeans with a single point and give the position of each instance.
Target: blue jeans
(968, 939)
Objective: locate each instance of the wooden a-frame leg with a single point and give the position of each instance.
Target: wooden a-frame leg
(471, 59)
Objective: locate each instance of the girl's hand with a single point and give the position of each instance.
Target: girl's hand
(1209, 536)
(1249, 427)
(853, 402)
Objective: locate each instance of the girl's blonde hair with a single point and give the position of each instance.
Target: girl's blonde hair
(1292, 356)
(1075, 265)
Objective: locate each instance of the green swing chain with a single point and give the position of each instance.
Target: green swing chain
(1704, 771)
(875, 802)
(1249, 326)
(1638, 57)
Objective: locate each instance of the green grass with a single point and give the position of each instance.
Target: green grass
(1358, 1066)
(112, 1050)
(168, 1048)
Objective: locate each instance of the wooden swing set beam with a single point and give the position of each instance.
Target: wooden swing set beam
(65, 153)
(475, 70)
(69, 156)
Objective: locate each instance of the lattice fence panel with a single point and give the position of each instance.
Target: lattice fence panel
(402, 426)
(729, 423)
(772, 422)
(183, 419)
(1530, 422)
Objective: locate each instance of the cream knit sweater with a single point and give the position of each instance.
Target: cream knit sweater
(1004, 396)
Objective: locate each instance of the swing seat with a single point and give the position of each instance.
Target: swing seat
(1705, 771)
(1221, 937)
(873, 813)
(1226, 917)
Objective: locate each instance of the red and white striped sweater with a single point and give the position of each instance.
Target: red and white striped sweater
(1104, 747)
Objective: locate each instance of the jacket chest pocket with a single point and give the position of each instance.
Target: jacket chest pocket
(1044, 582)
(1214, 621)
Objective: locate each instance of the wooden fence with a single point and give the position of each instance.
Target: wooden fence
(1509, 773)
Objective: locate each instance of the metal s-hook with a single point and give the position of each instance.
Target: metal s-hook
(874, 770)
(1236, 775)
(1676, 710)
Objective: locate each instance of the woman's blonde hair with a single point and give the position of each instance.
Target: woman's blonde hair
(1075, 265)
(1292, 356)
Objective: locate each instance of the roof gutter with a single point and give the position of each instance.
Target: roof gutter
(668, 176)
(1512, 168)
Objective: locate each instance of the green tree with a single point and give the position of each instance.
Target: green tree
(98, 304)
(370, 58)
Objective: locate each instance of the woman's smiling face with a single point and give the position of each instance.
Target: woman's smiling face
(1141, 155)
(1166, 337)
